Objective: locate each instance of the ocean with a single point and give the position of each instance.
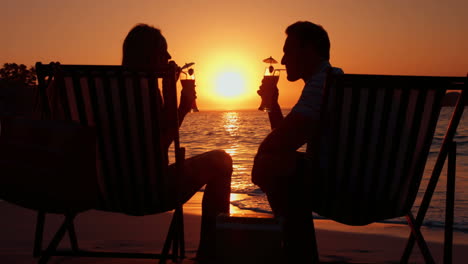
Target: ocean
(239, 133)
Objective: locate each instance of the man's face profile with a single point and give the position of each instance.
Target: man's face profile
(292, 59)
(301, 61)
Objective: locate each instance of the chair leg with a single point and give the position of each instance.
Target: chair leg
(182, 233)
(39, 233)
(169, 239)
(56, 240)
(175, 242)
(449, 202)
(431, 186)
(314, 241)
(415, 230)
(72, 235)
(451, 153)
(177, 247)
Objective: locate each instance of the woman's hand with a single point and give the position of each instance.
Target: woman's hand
(178, 69)
(187, 98)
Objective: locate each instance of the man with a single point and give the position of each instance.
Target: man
(278, 168)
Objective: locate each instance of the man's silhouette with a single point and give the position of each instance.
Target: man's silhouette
(278, 168)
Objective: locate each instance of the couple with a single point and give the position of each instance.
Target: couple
(277, 166)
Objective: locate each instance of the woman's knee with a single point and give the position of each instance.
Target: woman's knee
(221, 160)
(224, 157)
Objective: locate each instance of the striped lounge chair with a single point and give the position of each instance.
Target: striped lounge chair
(376, 134)
(132, 163)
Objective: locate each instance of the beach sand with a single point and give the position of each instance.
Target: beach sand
(375, 243)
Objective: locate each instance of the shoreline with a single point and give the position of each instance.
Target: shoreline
(390, 228)
(434, 231)
(97, 230)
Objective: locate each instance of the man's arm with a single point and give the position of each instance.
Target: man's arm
(290, 134)
(277, 155)
(275, 116)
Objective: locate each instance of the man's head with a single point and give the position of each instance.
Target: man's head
(145, 48)
(306, 46)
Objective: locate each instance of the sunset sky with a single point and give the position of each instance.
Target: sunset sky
(229, 39)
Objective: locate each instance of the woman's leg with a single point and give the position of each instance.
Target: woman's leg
(213, 169)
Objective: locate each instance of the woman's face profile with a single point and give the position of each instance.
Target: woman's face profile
(162, 55)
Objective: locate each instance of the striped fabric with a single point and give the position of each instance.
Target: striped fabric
(376, 135)
(125, 109)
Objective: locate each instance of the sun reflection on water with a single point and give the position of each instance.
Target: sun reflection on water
(232, 126)
(231, 123)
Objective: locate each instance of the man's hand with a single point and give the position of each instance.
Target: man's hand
(268, 91)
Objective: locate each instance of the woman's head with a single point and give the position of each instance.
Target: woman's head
(145, 48)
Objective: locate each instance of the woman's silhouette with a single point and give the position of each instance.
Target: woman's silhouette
(145, 48)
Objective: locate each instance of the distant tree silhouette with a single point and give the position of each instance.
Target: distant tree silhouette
(14, 73)
(17, 89)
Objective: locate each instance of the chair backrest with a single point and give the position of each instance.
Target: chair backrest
(125, 109)
(376, 134)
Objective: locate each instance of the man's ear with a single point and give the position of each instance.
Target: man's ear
(311, 54)
(309, 58)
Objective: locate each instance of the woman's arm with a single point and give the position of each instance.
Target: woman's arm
(187, 98)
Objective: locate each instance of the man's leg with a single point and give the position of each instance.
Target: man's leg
(299, 234)
(290, 202)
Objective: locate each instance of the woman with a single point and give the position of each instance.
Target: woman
(145, 48)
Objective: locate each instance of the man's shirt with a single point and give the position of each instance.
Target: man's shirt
(310, 100)
(309, 105)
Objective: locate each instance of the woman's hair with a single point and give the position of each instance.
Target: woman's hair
(143, 47)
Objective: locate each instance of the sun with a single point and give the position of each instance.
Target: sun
(230, 84)
(227, 81)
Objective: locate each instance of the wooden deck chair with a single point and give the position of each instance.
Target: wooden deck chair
(123, 107)
(376, 132)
